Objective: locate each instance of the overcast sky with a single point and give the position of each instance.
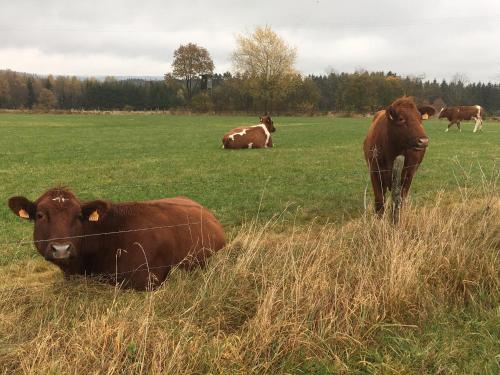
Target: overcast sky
(434, 38)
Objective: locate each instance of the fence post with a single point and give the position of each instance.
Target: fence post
(397, 170)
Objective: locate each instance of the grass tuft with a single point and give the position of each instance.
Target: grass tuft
(364, 296)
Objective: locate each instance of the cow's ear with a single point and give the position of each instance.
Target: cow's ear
(426, 111)
(261, 119)
(95, 210)
(391, 113)
(22, 207)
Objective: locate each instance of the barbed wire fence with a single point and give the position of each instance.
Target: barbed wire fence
(491, 181)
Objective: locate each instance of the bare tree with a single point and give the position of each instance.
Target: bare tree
(267, 60)
(190, 61)
(460, 78)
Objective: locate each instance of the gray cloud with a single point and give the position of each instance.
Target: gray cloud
(437, 38)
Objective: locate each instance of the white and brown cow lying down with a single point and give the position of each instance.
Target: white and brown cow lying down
(463, 113)
(134, 244)
(255, 136)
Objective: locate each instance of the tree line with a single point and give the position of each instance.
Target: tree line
(263, 80)
(359, 92)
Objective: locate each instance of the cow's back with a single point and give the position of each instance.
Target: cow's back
(196, 227)
(256, 136)
(151, 237)
(464, 112)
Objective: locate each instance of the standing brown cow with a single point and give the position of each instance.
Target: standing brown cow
(394, 131)
(256, 136)
(135, 243)
(463, 113)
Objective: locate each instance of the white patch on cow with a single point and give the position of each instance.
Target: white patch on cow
(60, 199)
(266, 132)
(479, 120)
(479, 112)
(242, 133)
(250, 145)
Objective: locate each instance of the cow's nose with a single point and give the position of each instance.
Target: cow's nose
(423, 142)
(60, 251)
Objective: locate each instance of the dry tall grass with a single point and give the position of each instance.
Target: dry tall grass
(263, 305)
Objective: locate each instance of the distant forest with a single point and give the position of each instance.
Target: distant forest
(359, 92)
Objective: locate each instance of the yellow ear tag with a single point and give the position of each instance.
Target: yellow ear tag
(425, 116)
(94, 216)
(24, 214)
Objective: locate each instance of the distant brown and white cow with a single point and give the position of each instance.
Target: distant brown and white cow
(463, 113)
(255, 136)
(394, 131)
(135, 243)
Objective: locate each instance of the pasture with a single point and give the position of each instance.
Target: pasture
(298, 199)
(316, 171)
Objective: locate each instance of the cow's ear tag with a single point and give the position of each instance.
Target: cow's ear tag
(94, 216)
(425, 116)
(24, 214)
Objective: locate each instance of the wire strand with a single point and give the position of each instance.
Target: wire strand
(23, 242)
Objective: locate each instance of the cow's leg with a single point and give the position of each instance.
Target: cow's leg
(476, 125)
(406, 182)
(480, 124)
(449, 126)
(459, 128)
(270, 142)
(378, 191)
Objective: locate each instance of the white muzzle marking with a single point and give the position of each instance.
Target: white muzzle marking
(60, 199)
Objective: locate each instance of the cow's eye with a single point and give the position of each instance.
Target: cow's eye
(40, 215)
(79, 216)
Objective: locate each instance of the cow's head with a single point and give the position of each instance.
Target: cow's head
(59, 219)
(405, 125)
(266, 120)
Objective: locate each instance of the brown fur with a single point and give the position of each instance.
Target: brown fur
(188, 235)
(461, 113)
(254, 137)
(395, 131)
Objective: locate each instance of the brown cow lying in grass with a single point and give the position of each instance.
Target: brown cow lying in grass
(395, 131)
(256, 136)
(135, 243)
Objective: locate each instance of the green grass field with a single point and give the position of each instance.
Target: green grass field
(315, 173)
(317, 164)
